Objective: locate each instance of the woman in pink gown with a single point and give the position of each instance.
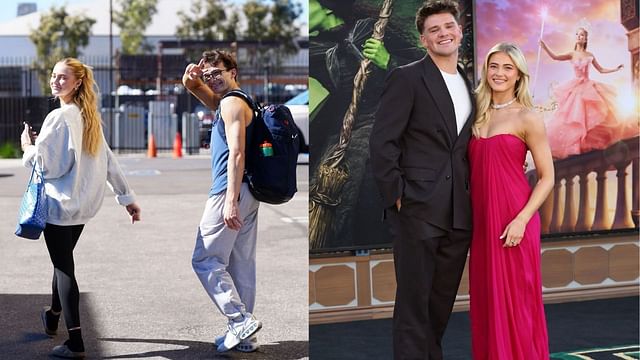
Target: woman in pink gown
(585, 119)
(507, 315)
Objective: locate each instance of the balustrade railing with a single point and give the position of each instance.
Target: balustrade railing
(575, 206)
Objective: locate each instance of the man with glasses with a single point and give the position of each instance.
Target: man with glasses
(224, 258)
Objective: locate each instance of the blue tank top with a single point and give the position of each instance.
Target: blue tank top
(220, 153)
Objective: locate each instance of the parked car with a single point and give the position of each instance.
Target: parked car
(278, 93)
(299, 106)
(206, 119)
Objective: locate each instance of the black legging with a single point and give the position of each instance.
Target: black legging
(61, 240)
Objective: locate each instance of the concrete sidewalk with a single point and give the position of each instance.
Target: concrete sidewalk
(140, 298)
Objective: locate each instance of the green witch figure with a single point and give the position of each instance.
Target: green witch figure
(349, 60)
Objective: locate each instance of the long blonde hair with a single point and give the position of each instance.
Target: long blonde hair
(483, 91)
(87, 100)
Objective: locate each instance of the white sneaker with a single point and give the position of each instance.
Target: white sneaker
(247, 345)
(238, 331)
(63, 351)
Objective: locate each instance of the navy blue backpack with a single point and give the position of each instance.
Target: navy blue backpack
(271, 152)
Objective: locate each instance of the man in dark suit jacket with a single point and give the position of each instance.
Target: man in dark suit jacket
(418, 151)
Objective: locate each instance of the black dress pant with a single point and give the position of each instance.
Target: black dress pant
(65, 296)
(429, 262)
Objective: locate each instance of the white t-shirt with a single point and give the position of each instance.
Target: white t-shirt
(460, 97)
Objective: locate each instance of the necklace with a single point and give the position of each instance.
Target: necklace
(502, 106)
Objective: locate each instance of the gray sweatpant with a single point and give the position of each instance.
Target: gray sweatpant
(225, 259)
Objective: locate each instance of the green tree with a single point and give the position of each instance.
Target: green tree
(281, 24)
(59, 35)
(256, 12)
(265, 20)
(133, 19)
(272, 22)
(230, 29)
(207, 21)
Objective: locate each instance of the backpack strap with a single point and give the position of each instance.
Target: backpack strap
(256, 115)
(241, 94)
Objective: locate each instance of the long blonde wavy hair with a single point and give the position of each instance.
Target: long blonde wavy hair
(483, 91)
(87, 100)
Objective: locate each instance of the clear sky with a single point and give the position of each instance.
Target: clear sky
(9, 8)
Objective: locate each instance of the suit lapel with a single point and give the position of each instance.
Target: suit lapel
(434, 82)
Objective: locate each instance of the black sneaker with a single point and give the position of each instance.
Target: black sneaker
(45, 315)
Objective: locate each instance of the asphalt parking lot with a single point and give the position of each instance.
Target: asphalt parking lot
(139, 296)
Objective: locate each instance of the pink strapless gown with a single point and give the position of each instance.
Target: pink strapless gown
(507, 315)
(585, 119)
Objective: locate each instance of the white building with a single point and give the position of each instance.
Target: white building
(14, 34)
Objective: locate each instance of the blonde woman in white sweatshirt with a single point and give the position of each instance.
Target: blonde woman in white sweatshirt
(77, 164)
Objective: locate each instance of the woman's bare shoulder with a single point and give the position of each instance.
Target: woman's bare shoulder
(529, 119)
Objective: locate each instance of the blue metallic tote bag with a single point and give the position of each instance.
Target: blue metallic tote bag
(33, 212)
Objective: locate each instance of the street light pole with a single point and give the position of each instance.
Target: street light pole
(110, 102)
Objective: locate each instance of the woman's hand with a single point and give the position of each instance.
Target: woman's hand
(542, 43)
(513, 233)
(27, 137)
(134, 211)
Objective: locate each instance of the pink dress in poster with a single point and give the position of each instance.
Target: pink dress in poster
(585, 119)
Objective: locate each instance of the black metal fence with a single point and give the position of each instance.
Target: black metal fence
(134, 81)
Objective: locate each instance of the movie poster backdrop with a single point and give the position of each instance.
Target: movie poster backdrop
(590, 111)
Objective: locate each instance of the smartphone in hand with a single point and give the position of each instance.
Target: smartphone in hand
(32, 134)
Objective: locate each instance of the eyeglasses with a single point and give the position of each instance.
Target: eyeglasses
(213, 74)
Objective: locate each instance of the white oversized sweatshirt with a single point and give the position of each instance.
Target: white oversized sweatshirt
(75, 181)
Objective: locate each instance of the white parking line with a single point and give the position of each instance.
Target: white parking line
(143, 172)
